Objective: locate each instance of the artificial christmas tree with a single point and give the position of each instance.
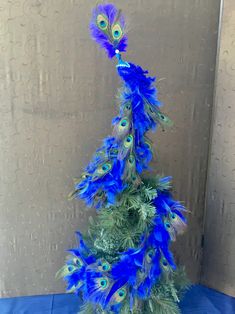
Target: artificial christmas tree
(124, 264)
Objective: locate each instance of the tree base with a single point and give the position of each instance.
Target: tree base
(164, 298)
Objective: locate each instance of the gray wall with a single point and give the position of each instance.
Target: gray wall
(219, 252)
(56, 103)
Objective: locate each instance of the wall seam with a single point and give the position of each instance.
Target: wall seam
(213, 113)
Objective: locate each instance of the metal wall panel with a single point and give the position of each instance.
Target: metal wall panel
(56, 103)
(219, 252)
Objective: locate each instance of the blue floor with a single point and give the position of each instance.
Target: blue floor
(198, 300)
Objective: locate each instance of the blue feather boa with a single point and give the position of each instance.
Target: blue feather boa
(138, 91)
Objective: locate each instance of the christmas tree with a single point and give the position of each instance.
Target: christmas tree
(124, 263)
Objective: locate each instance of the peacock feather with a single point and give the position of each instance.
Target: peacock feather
(102, 170)
(108, 28)
(126, 147)
(119, 296)
(154, 113)
(122, 128)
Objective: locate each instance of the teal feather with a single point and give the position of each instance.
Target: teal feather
(122, 128)
(174, 225)
(127, 109)
(157, 115)
(99, 196)
(102, 283)
(146, 266)
(119, 296)
(130, 168)
(165, 266)
(177, 223)
(113, 153)
(126, 147)
(75, 287)
(76, 181)
(66, 270)
(104, 266)
(102, 170)
(171, 230)
(101, 266)
(100, 288)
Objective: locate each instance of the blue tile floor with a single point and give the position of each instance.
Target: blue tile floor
(198, 300)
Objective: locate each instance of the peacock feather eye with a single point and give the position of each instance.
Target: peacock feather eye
(122, 128)
(173, 216)
(71, 268)
(113, 152)
(103, 283)
(127, 107)
(120, 295)
(164, 262)
(102, 22)
(128, 141)
(167, 224)
(85, 176)
(134, 178)
(131, 159)
(78, 262)
(103, 169)
(117, 32)
(104, 266)
(164, 119)
(150, 256)
(123, 123)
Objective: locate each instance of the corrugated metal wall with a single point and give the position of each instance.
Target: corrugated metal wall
(57, 99)
(219, 251)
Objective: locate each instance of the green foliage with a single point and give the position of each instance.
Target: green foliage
(156, 183)
(121, 227)
(167, 293)
(89, 309)
(181, 281)
(161, 305)
(86, 309)
(150, 193)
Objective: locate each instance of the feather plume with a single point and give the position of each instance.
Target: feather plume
(122, 128)
(108, 28)
(157, 115)
(126, 147)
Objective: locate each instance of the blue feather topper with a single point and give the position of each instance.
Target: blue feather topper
(108, 28)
